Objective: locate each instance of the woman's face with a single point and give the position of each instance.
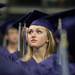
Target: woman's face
(37, 36)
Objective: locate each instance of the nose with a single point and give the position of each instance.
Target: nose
(33, 35)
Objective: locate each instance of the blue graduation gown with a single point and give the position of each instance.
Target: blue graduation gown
(46, 67)
(13, 57)
(10, 68)
(49, 66)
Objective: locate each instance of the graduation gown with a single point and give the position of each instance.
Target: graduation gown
(10, 68)
(46, 67)
(49, 66)
(13, 57)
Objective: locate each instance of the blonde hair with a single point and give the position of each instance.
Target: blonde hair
(50, 46)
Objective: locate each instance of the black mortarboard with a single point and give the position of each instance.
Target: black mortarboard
(34, 15)
(40, 15)
(46, 22)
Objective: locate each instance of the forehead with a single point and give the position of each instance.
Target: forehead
(12, 30)
(34, 27)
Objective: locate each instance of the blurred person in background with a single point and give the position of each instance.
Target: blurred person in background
(10, 50)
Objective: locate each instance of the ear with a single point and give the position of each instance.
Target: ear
(47, 41)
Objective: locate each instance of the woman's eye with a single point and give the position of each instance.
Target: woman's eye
(38, 31)
(29, 32)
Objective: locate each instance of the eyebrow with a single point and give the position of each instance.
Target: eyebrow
(38, 29)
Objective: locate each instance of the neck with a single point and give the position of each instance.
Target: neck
(12, 48)
(40, 54)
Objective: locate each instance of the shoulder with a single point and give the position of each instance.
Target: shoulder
(54, 58)
(2, 49)
(20, 62)
(54, 62)
(13, 68)
(3, 52)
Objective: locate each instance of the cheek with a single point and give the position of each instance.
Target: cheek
(42, 39)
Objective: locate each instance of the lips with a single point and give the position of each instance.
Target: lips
(33, 40)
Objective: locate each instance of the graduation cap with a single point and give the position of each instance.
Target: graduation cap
(34, 15)
(47, 22)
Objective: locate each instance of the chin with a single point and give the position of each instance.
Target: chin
(36, 46)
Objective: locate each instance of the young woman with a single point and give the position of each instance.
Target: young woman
(40, 58)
